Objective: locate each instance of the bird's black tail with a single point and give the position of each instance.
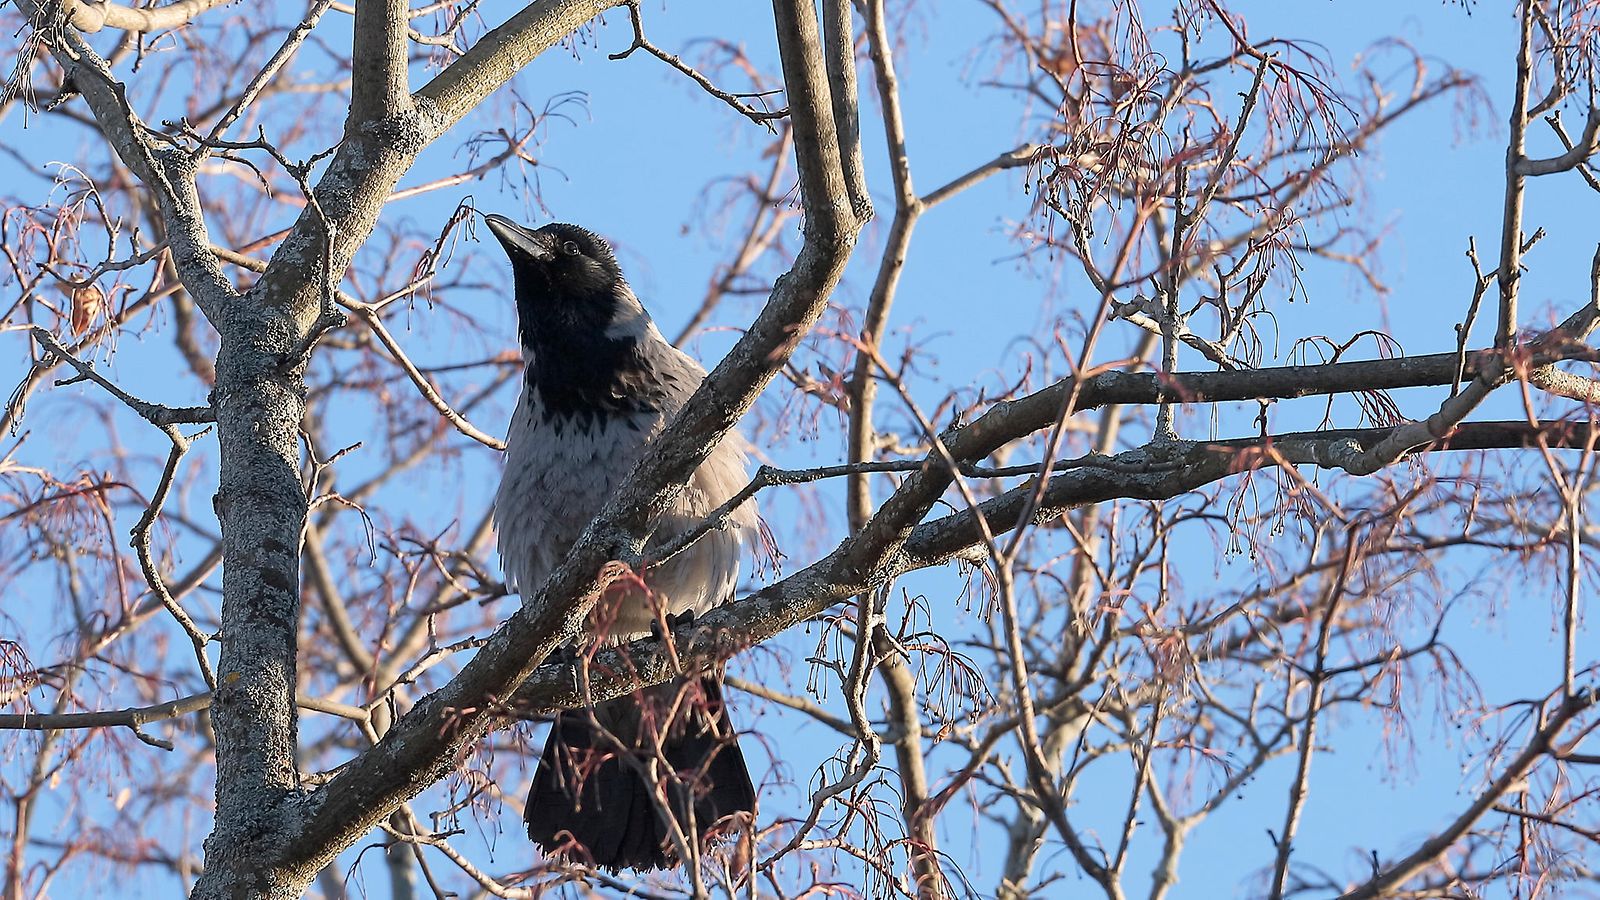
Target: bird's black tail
(593, 800)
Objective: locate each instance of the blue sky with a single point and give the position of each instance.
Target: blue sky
(634, 164)
(1432, 181)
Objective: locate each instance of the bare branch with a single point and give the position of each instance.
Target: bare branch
(93, 15)
(374, 321)
(147, 562)
(154, 413)
(1308, 727)
(640, 42)
(501, 53)
(1510, 270)
(1538, 746)
(371, 316)
(1578, 153)
(134, 718)
(839, 52)
(291, 43)
(378, 62)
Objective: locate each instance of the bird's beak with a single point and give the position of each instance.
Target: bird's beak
(520, 241)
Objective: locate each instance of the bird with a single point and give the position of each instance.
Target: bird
(600, 382)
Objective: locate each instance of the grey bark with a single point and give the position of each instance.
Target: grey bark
(272, 835)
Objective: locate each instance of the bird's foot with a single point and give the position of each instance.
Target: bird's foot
(673, 623)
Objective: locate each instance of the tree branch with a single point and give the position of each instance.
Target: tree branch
(423, 745)
(1510, 272)
(379, 57)
(1587, 145)
(1148, 473)
(839, 51)
(1538, 746)
(134, 718)
(94, 15)
(154, 413)
(501, 54)
(640, 42)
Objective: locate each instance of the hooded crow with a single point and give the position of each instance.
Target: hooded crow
(600, 383)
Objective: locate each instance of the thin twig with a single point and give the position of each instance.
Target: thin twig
(1584, 170)
(1539, 745)
(291, 43)
(166, 419)
(154, 413)
(1308, 729)
(760, 117)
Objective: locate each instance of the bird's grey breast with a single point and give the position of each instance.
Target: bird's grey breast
(564, 458)
(559, 470)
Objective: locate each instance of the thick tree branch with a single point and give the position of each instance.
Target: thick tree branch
(1149, 473)
(423, 745)
(379, 57)
(93, 15)
(839, 49)
(501, 54)
(830, 216)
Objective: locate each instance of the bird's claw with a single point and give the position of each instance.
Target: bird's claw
(673, 623)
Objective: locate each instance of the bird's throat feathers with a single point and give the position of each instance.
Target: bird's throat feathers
(583, 351)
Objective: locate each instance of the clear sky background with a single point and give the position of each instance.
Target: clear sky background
(634, 164)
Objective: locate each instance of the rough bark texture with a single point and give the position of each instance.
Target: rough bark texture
(262, 507)
(273, 834)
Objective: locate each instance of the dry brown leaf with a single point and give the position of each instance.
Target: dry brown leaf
(87, 304)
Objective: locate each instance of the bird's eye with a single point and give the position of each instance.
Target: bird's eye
(570, 248)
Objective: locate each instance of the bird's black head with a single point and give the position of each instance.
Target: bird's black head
(565, 275)
(578, 320)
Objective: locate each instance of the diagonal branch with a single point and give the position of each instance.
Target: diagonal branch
(1149, 473)
(94, 15)
(166, 170)
(379, 88)
(286, 51)
(154, 413)
(424, 744)
(500, 54)
(640, 42)
(372, 316)
(1539, 745)
(1554, 120)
